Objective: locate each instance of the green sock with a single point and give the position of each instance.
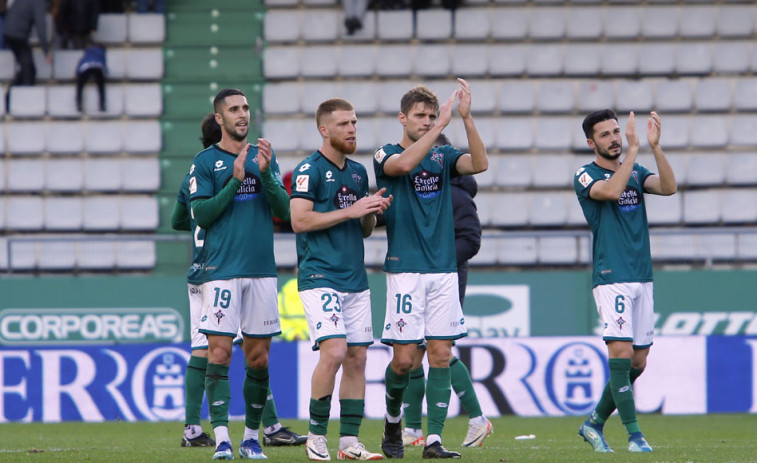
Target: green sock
(319, 415)
(413, 400)
(395, 391)
(437, 398)
(219, 393)
(255, 391)
(350, 416)
(270, 416)
(620, 384)
(606, 404)
(463, 386)
(194, 386)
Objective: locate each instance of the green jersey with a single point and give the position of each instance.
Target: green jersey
(239, 244)
(334, 257)
(420, 226)
(198, 234)
(620, 231)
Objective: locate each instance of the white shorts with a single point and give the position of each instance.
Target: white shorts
(422, 306)
(247, 304)
(334, 314)
(198, 340)
(627, 311)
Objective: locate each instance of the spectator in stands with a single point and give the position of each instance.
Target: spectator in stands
(112, 6)
(92, 65)
(75, 22)
(156, 6)
(3, 9)
(17, 27)
(611, 195)
(354, 11)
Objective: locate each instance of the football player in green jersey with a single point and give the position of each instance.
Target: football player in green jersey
(611, 194)
(235, 189)
(331, 213)
(422, 287)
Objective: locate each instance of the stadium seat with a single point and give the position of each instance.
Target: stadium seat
(713, 94)
(7, 66)
(281, 62)
(144, 64)
(56, 255)
(634, 95)
(365, 34)
(622, 23)
(486, 95)
(510, 23)
(673, 247)
(282, 98)
(717, 246)
(663, 210)
(64, 175)
(315, 92)
(111, 29)
(657, 58)
(363, 95)
(698, 22)
(557, 250)
(745, 94)
(731, 57)
(487, 253)
(44, 69)
(61, 101)
(547, 24)
(140, 174)
(518, 251)
(27, 102)
(395, 61)
(26, 138)
(358, 61)
(2, 185)
(735, 20)
(694, 58)
(114, 100)
(142, 136)
(284, 132)
(544, 60)
(25, 175)
(507, 60)
(583, 59)
(677, 130)
(96, 255)
(554, 133)
(739, 206)
(319, 25)
(659, 22)
(433, 24)
(135, 255)
(139, 213)
(282, 25)
(484, 201)
(517, 96)
(23, 255)
(584, 23)
(742, 169)
(24, 213)
(511, 210)
(746, 246)
(556, 96)
(472, 24)
(744, 130)
(432, 60)
(575, 215)
(709, 132)
(515, 134)
(116, 58)
(395, 25)
(104, 137)
(702, 207)
(65, 63)
(143, 100)
(674, 95)
(285, 250)
(593, 94)
(63, 213)
(620, 59)
(469, 60)
(547, 209)
(101, 213)
(309, 137)
(552, 170)
(146, 28)
(3, 245)
(390, 92)
(102, 175)
(65, 137)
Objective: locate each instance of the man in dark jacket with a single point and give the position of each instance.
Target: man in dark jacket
(76, 21)
(17, 27)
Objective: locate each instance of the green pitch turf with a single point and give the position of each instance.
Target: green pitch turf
(676, 439)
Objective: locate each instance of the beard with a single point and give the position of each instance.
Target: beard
(236, 133)
(607, 155)
(343, 146)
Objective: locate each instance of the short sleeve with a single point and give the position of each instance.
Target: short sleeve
(582, 182)
(201, 180)
(305, 181)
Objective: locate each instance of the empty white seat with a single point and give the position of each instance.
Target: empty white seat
(552, 170)
(362, 94)
(547, 209)
(44, 69)
(558, 250)
(745, 92)
(390, 93)
(556, 96)
(145, 28)
(358, 61)
(63, 213)
(65, 137)
(142, 136)
(744, 130)
(395, 60)
(64, 175)
(518, 251)
(702, 207)
(433, 24)
(487, 253)
(594, 94)
(101, 213)
(284, 132)
(7, 66)
(487, 95)
(698, 21)
(25, 175)
(470, 60)
(514, 134)
(315, 92)
(102, 175)
(673, 247)
(709, 132)
(547, 23)
(713, 95)
(584, 23)
(116, 58)
(620, 59)
(472, 23)
(144, 63)
(285, 250)
(517, 96)
(281, 62)
(511, 210)
(732, 57)
(56, 255)
(694, 58)
(143, 100)
(663, 210)
(282, 25)
(554, 133)
(583, 59)
(320, 25)
(659, 22)
(432, 60)
(622, 22)
(3, 246)
(309, 137)
(281, 98)
(111, 28)
(24, 213)
(735, 20)
(746, 245)
(657, 58)
(97, 255)
(2, 184)
(674, 96)
(507, 60)
(114, 100)
(136, 255)
(544, 60)
(365, 33)
(395, 25)
(717, 246)
(23, 255)
(484, 207)
(61, 101)
(104, 137)
(140, 174)
(26, 137)
(139, 213)
(513, 171)
(739, 206)
(65, 63)
(634, 95)
(510, 23)
(28, 101)
(677, 130)
(742, 169)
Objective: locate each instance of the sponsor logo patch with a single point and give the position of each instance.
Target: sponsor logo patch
(585, 179)
(302, 183)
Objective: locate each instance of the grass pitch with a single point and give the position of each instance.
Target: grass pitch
(675, 439)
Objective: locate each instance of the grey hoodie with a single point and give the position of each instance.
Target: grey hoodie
(20, 17)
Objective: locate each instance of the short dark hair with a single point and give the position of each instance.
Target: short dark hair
(597, 116)
(418, 94)
(221, 96)
(331, 105)
(211, 131)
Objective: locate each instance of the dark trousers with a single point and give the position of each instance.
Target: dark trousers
(22, 51)
(81, 79)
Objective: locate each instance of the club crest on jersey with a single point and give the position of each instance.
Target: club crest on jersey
(356, 178)
(635, 175)
(401, 324)
(620, 323)
(438, 157)
(335, 319)
(219, 315)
